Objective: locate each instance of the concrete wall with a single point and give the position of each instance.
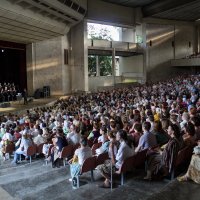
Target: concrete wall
(127, 35)
(30, 64)
(133, 64)
(45, 66)
(183, 35)
(100, 81)
(161, 51)
(110, 13)
(79, 58)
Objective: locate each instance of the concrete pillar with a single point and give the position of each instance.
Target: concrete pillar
(79, 57)
(97, 66)
(113, 66)
(145, 52)
(30, 63)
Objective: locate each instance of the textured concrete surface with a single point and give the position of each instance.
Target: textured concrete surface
(39, 182)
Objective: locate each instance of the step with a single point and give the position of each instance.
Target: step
(30, 190)
(7, 168)
(27, 173)
(63, 188)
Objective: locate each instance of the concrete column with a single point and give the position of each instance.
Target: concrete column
(30, 63)
(97, 66)
(145, 53)
(113, 66)
(79, 57)
(197, 40)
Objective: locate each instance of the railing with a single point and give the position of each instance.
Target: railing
(126, 46)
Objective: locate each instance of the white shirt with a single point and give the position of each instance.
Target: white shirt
(25, 143)
(102, 139)
(83, 153)
(7, 136)
(123, 152)
(39, 140)
(74, 138)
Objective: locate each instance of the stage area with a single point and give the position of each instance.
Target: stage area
(19, 107)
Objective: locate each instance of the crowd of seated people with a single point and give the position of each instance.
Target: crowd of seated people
(8, 92)
(162, 117)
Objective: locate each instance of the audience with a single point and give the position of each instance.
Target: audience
(159, 108)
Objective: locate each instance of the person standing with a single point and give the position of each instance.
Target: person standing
(25, 97)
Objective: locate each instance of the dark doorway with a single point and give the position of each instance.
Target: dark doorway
(13, 64)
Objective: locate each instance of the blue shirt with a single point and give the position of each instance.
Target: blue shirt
(147, 140)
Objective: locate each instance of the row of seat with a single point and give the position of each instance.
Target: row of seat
(129, 164)
(135, 161)
(182, 160)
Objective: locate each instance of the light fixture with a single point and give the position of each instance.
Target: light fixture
(2, 50)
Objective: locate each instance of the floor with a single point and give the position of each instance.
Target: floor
(18, 107)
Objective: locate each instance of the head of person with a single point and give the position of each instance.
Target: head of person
(146, 126)
(103, 130)
(112, 136)
(165, 124)
(138, 127)
(157, 126)
(121, 135)
(173, 131)
(196, 121)
(59, 132)
(189, 129)
(83, 141)
(185, 116)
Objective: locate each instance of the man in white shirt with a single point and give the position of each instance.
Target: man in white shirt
(39, 139)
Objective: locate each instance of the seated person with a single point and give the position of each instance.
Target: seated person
(103, 138)
(193, 172)
(74, 136)
(106, 146)
(189, 136)
(23, 144)
(80, 155)
(59, 142)
(125, 150)
(148, 139)
(94, 134)
(160, 163)
(161, 136)
(39, 139)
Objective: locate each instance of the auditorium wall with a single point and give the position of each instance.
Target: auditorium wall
(132, 64)
(45, 66)
(166, 42)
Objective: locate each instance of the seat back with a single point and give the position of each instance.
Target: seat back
(127, 165)
(95, 147)
(88, 165)
(100, 159)
(10, 148)
(139, 158)
(188, 153)
(67, 151)
(90, 143)
(184, 156)
(31, 150)
(39, 148)
(76, 146)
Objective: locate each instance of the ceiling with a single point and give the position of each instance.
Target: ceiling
(28, 21)
(184, 10)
